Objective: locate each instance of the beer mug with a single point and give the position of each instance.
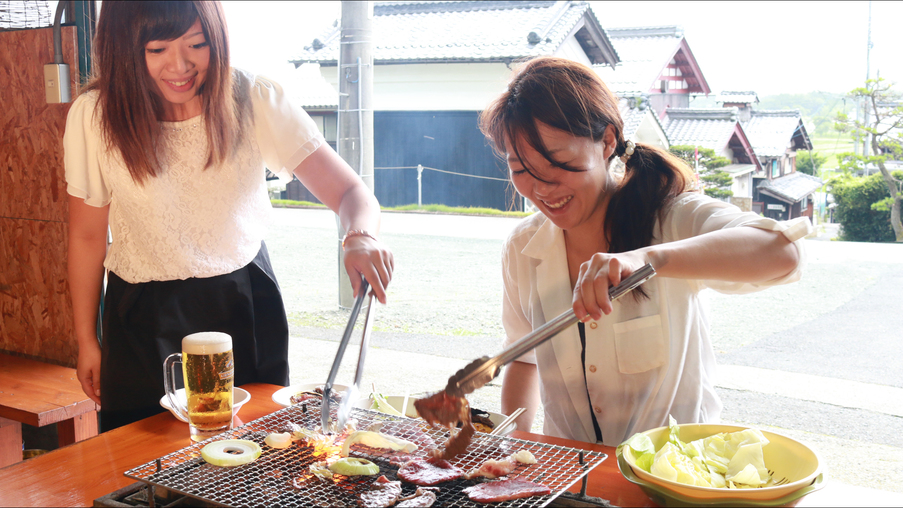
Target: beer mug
(209, 372)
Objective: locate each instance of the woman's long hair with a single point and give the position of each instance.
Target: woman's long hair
(571, 97)
(130, 108)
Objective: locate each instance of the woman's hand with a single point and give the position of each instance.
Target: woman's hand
(337, 186)
(88, 370)
(369, 258)
(597, 275)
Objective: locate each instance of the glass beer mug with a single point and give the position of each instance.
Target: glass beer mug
(209, 372)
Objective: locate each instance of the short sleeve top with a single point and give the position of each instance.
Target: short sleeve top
(189, 221)
(649, 358)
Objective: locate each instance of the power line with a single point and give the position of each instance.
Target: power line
(447, 172)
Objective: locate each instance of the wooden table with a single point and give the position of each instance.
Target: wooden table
(39, 394)
(80, 473)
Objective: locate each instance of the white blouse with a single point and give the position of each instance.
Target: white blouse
(645, 360)
(189, 221)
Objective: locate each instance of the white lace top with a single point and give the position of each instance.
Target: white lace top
(188, 221)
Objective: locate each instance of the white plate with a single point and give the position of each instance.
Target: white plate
(239, 397)
(397, 401)
(283, 396)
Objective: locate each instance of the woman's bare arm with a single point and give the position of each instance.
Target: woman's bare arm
(87, 249)
(741, 254)
(520, 389)
(337, 186)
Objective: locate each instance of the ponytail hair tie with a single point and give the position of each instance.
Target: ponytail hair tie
(628, 151)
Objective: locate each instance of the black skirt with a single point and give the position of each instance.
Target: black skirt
(144, 323)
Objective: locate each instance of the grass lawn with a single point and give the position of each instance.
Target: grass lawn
(414, 208)
(830, 147)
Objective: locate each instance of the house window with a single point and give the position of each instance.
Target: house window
(327, 125)
(330, 131)
(318, 119)
(775, 169)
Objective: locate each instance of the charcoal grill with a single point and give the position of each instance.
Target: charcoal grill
(282, 477)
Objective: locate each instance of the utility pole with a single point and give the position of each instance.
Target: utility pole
(866, 106)
(355, 115)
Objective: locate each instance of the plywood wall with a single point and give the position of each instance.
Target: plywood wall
(34, 303)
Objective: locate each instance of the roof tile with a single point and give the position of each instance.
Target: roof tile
(707, 128)
(771, 132)
(643, 53)
(791, 188)
(738, 97)
(458, 31)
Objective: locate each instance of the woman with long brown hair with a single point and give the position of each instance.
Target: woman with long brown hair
(167, 146)
(628, 364)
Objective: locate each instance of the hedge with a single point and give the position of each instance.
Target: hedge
(854, 198)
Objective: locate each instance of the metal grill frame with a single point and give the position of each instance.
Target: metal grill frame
(270, 480)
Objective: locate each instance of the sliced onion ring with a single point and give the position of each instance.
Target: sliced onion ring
(231, 452)
(278, 440)
(353, 466)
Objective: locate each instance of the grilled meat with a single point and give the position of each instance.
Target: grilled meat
(505, 490)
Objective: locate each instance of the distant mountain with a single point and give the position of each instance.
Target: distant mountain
(818, 108)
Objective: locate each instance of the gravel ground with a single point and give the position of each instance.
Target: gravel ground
(444, 310)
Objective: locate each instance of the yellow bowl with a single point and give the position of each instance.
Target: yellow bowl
(792, 463)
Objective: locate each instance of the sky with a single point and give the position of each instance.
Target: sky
(766, 47)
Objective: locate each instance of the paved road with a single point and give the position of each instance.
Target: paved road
(818, 360)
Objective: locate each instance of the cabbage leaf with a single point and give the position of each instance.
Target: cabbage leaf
(725, 460)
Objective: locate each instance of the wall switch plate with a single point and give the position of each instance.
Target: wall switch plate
(56, 83)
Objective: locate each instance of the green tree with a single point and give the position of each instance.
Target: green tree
(884, 132)
(716, 182)
(862, 205)
(809, 162)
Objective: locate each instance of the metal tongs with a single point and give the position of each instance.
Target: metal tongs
(351, 394)
(479, 372)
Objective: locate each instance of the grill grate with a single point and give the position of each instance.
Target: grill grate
(282, 477)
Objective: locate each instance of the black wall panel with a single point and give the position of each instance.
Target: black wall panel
(446, 140)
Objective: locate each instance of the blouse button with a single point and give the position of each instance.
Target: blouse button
(592, 368)
(597, 409)
(593, 325)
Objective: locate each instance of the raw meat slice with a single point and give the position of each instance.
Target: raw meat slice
(495, 468)
(428, 472)
(505, 490)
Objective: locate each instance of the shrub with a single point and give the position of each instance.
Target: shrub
(860, 211)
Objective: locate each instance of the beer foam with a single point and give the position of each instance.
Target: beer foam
(206, 343)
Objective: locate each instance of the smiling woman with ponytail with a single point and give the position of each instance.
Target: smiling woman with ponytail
(628, 364)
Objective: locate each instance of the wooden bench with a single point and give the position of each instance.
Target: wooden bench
(39, 394)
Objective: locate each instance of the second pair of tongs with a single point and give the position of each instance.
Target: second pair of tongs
(479, 372)
(351, 394)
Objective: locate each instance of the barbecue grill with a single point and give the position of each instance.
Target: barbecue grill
(282, 477)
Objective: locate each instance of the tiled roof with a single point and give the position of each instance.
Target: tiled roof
(771, 132)
(738, 97)
(312, 90)
(633, 116)
(708, 128)
(466, 31)
(791, 188)
(643, 52)
(738, 169)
